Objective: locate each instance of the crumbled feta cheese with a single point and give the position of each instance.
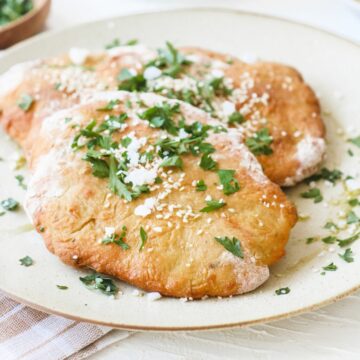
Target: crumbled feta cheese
(146, 208)
(353, 184)
(153, 296)
(78, 56)
(228, 108)
(151, 73)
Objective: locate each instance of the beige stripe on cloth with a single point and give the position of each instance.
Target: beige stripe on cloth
(29, 334)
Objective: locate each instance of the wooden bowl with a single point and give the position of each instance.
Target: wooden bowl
(26, 26)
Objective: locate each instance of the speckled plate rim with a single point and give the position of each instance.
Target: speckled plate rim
(241, 324)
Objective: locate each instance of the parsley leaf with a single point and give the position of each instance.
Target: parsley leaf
(355, 141)
(331, 226)
(352, 218)
(62, 287)
(161, 116)
(313, 193)
(326, 174)
(329, 240)
(347, 256)
(207, 162)
(109, 106)
(233, 245)
(100, 168)
(100, 282)
(173, 161)
(354, 202)
(25, 102)
(228, 181)
(201, 186)
(117, 239)
(348, 241)
(259, 143)
(330, 267)
(282, 291)
(9, 204)
(20, 179)
(131, 82)
(236, 118)
(116, 185)
(213, 205)
(26, 261)
(143, 237)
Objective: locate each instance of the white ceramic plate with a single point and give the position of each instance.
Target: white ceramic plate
(328, 63)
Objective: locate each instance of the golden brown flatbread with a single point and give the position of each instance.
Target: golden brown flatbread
(270, 103)
(156, 193)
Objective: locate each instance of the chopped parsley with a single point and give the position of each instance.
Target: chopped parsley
(161, 116)
(228, 181)
(329, 239)
(331, 226)
(100, 282)
(236, 118)
(62, 287)
(259, 143)
(143, 238)
(207, 162)
(313, 193)
(326, 174)
(200, 185)
(233, 245)
(173, 161)
(355, 141)
(170, 61)
(330, 267)
(350, 152)
(9, 204)
(352, 218)
(117, 239)
(213, 205)
(25, 102)
(20, 179)
(348, 241)
(354, 202)
(311, 240)
(109, 106)
(347, 256)
(131, 82)
(116, 43)
(282, 291)
(26, 261)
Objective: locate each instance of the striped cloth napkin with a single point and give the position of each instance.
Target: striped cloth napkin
(29, 334)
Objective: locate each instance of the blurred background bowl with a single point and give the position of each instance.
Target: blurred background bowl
(26, 26)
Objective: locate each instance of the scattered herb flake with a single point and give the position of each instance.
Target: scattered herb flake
(100, 282)
(236, 118)
(311, 240)
(109, 106)
(329, 240)
(331, 226)
(233, 245)
(347, 255)
(207, 162)
(173, 161)
(313, 193)
(326, 174)
(9, 204)
(117, 239)
(62, 287)
(330, 267)
(259, 143)
(20, 179)
(282, 291)
(350, 152)
(348, 241)
(213, 205)
(143, 238)
(26, 261)
(355, 141)
(352, 218)
(25, 102)
(228, 181)
(354, 202)
(201, 186)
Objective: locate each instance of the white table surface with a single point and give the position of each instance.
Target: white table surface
(330, 333)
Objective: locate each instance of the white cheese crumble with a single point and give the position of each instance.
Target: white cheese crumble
(78, 56)
(151, 73)
(146, 208)
(153, 296)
